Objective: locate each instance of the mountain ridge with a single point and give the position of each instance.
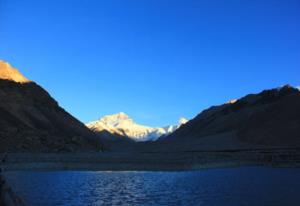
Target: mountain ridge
(32, 121)
(270, 118)
(123, 125)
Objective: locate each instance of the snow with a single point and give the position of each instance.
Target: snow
(122, 124)
(182, 120)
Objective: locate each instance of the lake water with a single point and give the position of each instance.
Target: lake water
(234, 186)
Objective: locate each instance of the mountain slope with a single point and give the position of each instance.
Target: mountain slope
(268, 119)
(122, 125)
(31, 120)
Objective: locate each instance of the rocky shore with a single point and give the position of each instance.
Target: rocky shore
(7, 196)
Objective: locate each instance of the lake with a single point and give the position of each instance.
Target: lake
(232, 186)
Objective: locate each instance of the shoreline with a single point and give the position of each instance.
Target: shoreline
(151, 161)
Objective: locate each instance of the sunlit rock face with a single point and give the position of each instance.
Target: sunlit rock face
(7, 72)
(123, 125)
(232, 101)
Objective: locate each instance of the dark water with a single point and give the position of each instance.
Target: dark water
(236, 186)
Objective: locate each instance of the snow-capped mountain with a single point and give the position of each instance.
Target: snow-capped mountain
(122, 124)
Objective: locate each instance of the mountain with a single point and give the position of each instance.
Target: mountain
(7, 72)
(32, 121)
(268, 119)
(121, 124)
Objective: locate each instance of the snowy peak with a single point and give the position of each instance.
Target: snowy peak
(122, 124)
(182, 120)
(7, 72)
(116, 120)
(118, 116)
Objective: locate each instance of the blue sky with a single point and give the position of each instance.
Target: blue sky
(156, 60)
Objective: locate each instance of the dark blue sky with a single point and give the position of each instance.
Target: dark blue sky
(153, 59)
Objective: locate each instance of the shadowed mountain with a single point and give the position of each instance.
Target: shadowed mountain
(268, 119)
(31, 120)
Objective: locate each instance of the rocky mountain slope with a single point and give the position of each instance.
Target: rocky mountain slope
(122, 125)
(268, 119)
(32, 121)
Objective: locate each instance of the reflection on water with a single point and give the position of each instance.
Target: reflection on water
(236, 186)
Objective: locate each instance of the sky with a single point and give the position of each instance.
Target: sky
(156, 60)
